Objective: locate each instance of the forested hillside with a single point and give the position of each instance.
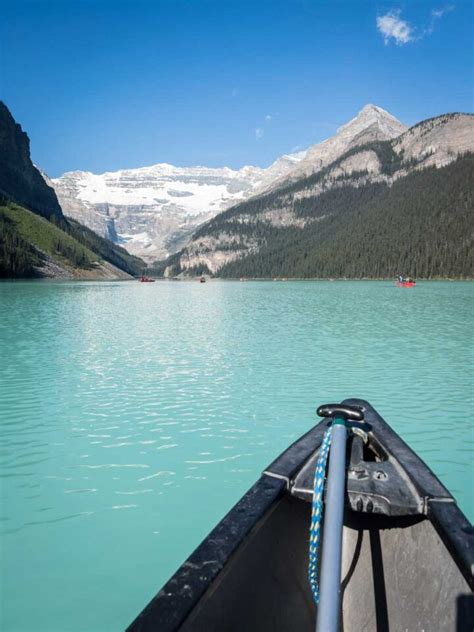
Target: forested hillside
(420, 225)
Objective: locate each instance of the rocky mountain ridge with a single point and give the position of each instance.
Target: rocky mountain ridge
(372, 123)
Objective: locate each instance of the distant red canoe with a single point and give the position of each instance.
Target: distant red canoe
(405, 283)
(144, 279)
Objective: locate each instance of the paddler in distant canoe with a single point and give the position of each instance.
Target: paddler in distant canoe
(405, 280)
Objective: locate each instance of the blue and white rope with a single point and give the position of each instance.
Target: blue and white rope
(317, 514)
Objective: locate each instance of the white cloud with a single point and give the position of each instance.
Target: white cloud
(392, 26)
(259, 132)
(268, 118)
(402, 32)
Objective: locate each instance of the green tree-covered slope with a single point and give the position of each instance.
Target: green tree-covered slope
(28, 241)
(421, 225)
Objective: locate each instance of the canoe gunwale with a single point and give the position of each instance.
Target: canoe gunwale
(456, 533)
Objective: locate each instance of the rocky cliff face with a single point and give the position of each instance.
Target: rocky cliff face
(243, 230)
(20, 181)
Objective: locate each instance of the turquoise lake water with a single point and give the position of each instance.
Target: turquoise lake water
(135, 415)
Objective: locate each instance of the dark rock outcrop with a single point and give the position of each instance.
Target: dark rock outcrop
(20, 180)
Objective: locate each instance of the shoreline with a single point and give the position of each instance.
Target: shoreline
(217, 279)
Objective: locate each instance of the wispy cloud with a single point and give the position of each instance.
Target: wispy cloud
(234, 92)
(259, 133)
(268, 118)
(438, 13)
(393, 27)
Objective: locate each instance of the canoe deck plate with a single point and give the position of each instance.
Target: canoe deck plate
(375, 482)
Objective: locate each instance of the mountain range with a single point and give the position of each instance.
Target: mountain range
(153, 211)
(373, 200)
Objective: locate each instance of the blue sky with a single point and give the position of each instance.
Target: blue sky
(101, 85)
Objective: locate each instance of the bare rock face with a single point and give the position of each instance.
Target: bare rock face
(214, 253)
(359, 162)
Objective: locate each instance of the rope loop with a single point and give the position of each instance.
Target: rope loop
(317, 513)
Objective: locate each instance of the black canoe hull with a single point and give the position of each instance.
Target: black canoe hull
(408, 551)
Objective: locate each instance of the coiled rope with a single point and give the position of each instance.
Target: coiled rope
(317, 514)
